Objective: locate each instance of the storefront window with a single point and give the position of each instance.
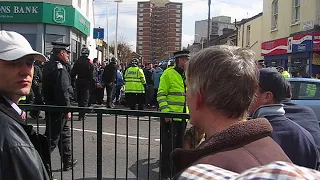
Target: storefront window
(299, 67)
(49, 38)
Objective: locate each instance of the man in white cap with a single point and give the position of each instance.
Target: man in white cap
(19, 158)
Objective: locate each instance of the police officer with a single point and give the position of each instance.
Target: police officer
(135, 86)
(84, 71)
(57, 90)
(172, 98)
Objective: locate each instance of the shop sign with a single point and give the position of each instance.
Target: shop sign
(40, 12)
(20, 12)
(274, 47)
(300, 43)
(316, 41)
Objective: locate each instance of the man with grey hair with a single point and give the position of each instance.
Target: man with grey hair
(221, 84)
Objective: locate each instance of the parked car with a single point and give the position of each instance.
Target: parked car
(306, 91)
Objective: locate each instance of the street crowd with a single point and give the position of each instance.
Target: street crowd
(244, 124)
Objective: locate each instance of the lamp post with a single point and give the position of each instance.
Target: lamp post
(116, 38)
(107, 14)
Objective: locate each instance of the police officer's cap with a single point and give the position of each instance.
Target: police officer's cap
(62, 46)
(183, 53)
(85, 51)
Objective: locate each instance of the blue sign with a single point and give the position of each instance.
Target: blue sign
(98, 33)
(300, 43)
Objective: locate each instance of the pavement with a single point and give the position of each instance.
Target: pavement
(122, 157)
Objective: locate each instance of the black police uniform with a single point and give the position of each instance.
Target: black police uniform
(84, 70)
(57, 90)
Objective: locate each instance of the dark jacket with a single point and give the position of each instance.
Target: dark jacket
(109, 74)
(56, 85)
(148, 76)
(37, 84)
(242, 146)
(84, 71)
(295, 141)
(305, 117)
(19, 158)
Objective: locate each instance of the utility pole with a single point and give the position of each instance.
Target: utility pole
(107, 14)
(209, 21)
(116, 39)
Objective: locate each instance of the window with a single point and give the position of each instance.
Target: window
(140, 38)
(178, 34)
(177, 29)
(140, 24)
(248, 36)
(140, 19)
(139, 47)
(177, 39)
(141, 10)
(177, 44)
(141, 15)
(274, 20)
(140, 33)
(140, 52)
(178, 6)
(296, 11)
(79, 4)
(177, 20)
(178, 15)
(141, 5)
(140, 42)
(178, 11)
(177, 49)
(140, 28)
(178, 25)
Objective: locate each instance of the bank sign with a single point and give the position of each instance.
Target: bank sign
(39, 12)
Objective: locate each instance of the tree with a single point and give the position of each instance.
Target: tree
(124, 50)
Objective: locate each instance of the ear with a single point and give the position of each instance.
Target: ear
(268, 98)
(199, 101)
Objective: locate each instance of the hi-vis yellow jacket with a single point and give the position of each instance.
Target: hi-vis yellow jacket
(172, 93)
(135, 79)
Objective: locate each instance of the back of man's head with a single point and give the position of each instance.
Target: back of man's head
(271, 80)
(226, 77)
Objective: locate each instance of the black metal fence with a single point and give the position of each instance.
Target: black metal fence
(122, 120)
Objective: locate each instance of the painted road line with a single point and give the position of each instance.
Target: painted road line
(104, 133)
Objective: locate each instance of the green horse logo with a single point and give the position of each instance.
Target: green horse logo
(59, 15)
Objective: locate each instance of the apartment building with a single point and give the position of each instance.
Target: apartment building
(159, 29)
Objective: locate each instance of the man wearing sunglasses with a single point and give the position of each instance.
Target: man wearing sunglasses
(19, 158)
(57, 90)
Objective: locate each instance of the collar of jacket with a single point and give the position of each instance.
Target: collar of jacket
(269, 110)
(53, 57)
(179, 70)
(243, 132)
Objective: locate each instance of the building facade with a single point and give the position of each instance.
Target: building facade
(159, 27)
(44, 22)
(250, 34)
(220, 23)
(291, 35)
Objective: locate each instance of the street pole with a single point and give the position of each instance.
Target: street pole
(107, 13)
(209, 21)
(116, 39)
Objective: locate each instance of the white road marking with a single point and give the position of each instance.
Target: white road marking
(104, 133)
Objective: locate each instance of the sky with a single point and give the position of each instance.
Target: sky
(193, 10)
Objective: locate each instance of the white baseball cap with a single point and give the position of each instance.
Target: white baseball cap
(14, 46)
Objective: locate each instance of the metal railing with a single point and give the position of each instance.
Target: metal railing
(100, 113)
